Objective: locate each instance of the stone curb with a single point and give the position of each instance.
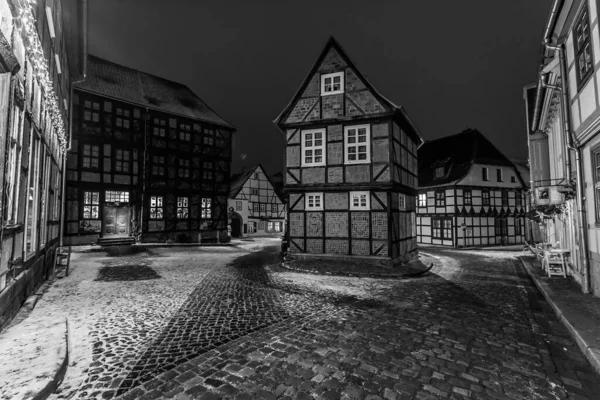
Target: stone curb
(592, 354)
(60, 372)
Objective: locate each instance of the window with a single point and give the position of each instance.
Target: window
(278, 226)
(467, 197)
(439, 172)
(254, 191)
(596, 160)
(123, 118)
(91, 154)
(583, 57)
(513, 179)
(504, 197)
(156, 207)
(251, 227)
(441, 228)
(13, 177)
(518, 199)
(111, 196)
(238, 206)
(332, 83)
(182, 207)
(440, 198)
(207, 170)
(263, 208)
(185, 132)
(158, 165)
(32, 194)
(518, 226)
(91, 205)
(206, 208)
(184, 168)
(255, 207)
(485, 197)
(313, 148)
(484, 174)
(359, 201)
(91, 111)
(44, 198)
(401, 202)
(50, 22)
(422, 199)
(269, 226)
(209, 137)
(274, 208)
(159, 128)
(57, 63)
(357, 144)
(256, 175)
(498, 175)
(122, 161)
(314, 201)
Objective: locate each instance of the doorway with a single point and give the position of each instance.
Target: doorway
(116, 221)
(236, 225)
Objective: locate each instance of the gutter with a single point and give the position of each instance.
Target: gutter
(73, 83)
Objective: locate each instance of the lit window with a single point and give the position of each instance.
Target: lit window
(441, 228)
(314, 201)
(583, 57)
(440, 198)
(401, 202)
(422, 200)
(468, 197)
(358, 144)
(111, 196)
(332, 83)
(182, 207)
(359, 201)
(90, 156)
(206, 208)
(313, 148)
(91, 201)
(156, 207)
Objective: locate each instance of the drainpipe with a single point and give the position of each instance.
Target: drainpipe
(64, 169)
(581, 220)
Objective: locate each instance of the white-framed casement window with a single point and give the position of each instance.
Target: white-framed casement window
(274, 208)
(401, 201)
(263, 208)
(422, 199)
(332, 83)
(206, 207)
(31, 210)
(360, 201)
(357, 144)
(314, 201)
(238, 205)
(255, 207)
(156, 207)
(313, 148)
(182, 207)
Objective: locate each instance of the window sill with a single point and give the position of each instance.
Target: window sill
(357, 162)
(313, 165)
(331, 93)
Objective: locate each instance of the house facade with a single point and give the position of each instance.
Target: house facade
(470, 194)
(148, 161)
(256, 208)
(351, 165)
(42, 52)
(563, 133)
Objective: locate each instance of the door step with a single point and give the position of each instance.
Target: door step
(118, 241)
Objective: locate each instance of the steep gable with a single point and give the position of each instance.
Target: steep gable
(241, 184)
(359, 97)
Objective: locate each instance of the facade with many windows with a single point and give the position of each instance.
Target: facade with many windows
(351, 165)
(42, 52)
(256, 207)
(470, 194)
(148, 161)
(563, 117)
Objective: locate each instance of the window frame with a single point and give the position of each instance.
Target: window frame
(518, 225)
(238, 205)
(583, 48)
(422, 200)
(182, 210)
(332, 76)
(91, 157)
(122, 159)
(443, 232)
(274, 208)
(504, 198)
(499, 175)
(263, 207)
(158, 165)
(156, 208)
(357, 144)
(440, 201)
(313, 148)
(315, 196)
(485, 200)
(595, 153)
(206, 208)
(469, 197)
(439, 172)
(485, 174)
(184, 168)
(360, 207)
(255, 207)
(401, 201)
(32, 203)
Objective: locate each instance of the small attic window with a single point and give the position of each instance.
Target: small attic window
(332, 83)
(439, 172)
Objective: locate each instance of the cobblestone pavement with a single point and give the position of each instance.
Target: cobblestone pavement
(474, 327)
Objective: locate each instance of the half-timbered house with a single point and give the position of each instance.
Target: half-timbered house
(255, 205)
(149, 160)
(470, 194)
(42, 52)
(351, 165)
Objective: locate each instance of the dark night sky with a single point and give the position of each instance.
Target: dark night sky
(451, 64)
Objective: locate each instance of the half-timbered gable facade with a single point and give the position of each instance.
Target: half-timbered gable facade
(470, 194)
(42, 52)
(148, 160)
(255, 206)
(351, 165)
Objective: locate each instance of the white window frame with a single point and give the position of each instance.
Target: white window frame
(332, 76)
(317, 201)
(313, 147)
(347, 145)
(401, 201)
(422, 200)
(50, 21)
(367, 205)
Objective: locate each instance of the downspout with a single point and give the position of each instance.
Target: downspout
(64, 169)
(581, 220)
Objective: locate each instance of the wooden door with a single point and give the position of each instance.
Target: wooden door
(123, 221)
(116, 221)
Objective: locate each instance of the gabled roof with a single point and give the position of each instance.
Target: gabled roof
(332, 43)
(457, 152)
(127, 84)
(239, 180)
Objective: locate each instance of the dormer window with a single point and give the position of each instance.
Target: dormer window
(439, 172)
(332, 83)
